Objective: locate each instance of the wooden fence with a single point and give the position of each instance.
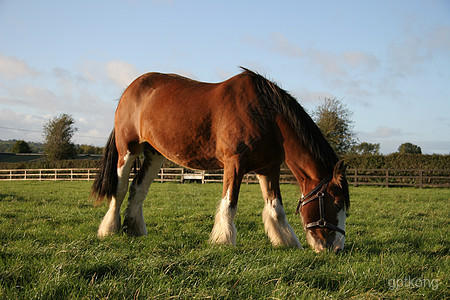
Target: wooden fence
(356, 177)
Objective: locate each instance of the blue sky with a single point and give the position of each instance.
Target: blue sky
(387, 61)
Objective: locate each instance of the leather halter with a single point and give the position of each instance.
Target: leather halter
(319, 194)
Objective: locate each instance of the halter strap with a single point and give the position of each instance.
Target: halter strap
(322, 222)
(320, 188)
(302, 202)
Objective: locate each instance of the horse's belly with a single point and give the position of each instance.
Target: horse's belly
(190, 149)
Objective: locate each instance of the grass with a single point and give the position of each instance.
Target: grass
(397, 247)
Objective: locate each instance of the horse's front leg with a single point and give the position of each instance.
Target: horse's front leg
(224, 230)
(276, 225)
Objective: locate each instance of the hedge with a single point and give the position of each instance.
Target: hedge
(61, 164)
(398, 161)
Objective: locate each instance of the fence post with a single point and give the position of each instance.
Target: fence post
(420, 178)
(387, 178)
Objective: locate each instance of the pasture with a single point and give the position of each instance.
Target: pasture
(397, 246)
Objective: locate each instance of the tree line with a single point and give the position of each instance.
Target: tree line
(21, 146)
(58, 145)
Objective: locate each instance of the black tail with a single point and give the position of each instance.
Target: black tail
(105, 184)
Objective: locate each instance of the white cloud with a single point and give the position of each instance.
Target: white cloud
(121, 73)
(20, 120)
(329, 63)
(223, 74)
(12, 67)
(14, 125)
(57, 92)
(280, 44)
(305, 96)
(360, 60)
(93, 130)
(439, 40)
(407, 55)
(389, 138)
(275, 42)
(384, 132)
(352, 71)
(92, 71)
(357, 74)
(29, 127)
(27, 102)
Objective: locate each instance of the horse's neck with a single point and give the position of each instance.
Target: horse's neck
(307, 170)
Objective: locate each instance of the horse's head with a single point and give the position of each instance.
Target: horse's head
(323, 211)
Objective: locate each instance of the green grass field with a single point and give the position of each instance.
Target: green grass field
(397, 246)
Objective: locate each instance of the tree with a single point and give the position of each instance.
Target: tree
(365, 148)
(58, 133)
(408, 148)
(89, 149)
(21, 147)
(333, 118)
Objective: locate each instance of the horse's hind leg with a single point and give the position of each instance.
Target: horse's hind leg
(276, 225)
(111, 221)
(134, 223)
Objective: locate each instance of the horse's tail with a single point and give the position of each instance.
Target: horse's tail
(105, 184)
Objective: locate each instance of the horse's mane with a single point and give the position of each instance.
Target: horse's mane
(307, 131)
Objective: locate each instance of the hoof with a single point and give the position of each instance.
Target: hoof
(134, 228)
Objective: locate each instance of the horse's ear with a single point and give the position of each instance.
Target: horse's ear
(339, 169)
(340, 180)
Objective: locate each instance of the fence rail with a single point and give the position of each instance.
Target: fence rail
(357, 177)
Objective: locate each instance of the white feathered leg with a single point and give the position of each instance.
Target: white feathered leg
(224, 230)
(276, 225)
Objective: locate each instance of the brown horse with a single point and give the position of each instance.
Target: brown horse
(246, 123)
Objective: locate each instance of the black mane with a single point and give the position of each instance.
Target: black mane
(305, 128)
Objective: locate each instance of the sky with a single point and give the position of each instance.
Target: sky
(388, 62)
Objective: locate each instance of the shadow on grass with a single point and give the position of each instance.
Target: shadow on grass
(101, 271)
(397, 244)
(11, 198)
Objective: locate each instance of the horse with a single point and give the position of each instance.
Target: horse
(244, 124)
